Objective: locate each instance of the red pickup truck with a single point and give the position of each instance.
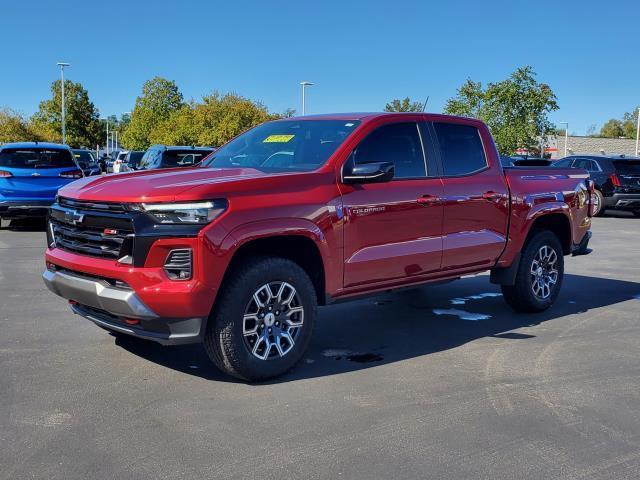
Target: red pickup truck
(239, 252)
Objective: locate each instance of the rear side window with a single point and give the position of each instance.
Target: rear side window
(461, 148)
(35, 158)
(397, 143)
(627, 167)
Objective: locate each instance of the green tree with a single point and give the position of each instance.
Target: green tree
(214, 121)
(160, 98)
(14, 127)
(515, 109)
(612, 129)
(404, 105)
(82, 118)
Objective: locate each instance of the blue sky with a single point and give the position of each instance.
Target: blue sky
(359, 53)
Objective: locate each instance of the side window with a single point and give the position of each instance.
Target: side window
(563, 163)
(461, 148)
(397, 143)
(595, 166)
(583, 163)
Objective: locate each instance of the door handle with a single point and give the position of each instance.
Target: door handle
(427, 200)
(491, 195)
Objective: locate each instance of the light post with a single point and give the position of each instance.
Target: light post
(304, 85)
(64, 127)
(116, 140)
(107, 122)
(638, 134)
(566, 136)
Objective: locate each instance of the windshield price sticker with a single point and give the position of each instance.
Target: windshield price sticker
(278, 138)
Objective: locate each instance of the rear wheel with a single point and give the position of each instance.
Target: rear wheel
(598, 203)
(539, 276)
(263, 320)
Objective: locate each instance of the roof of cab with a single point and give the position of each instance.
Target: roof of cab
(371, 115)
(52, 146)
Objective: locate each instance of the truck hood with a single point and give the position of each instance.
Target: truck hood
(166, 185)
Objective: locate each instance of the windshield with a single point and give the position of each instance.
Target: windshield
(134, 158)
(628, 167)
(35, 158)
(288, 145)
(84, 158)
(183, 158)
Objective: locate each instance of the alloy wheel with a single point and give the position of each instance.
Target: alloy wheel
(544, 272)
(272, 320)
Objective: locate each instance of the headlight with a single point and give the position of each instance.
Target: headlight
(184, 213)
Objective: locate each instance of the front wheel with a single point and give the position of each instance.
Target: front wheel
(539, 276)
(263, 319)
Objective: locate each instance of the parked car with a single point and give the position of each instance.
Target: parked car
(163, 156)
(87, 162)
(116, 159)
(308, 211)
(102, 162)
(31, 174)
(132, 161)
(616, 178)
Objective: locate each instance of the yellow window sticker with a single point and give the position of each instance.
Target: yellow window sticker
(278, 138)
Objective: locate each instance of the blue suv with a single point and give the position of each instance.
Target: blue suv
(31, 174)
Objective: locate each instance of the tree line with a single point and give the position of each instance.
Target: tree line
(516, 110)
(160, 115)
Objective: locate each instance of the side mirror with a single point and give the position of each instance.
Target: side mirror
(375, 172)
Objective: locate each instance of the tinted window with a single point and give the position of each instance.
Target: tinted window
(631, 167)
(35, 158)
(149, 158)
(461, 148)
(563, 163)
(584, 163)
(84, 158)
(183, 158)
(286, 145)
(397, 143)
(134, 158)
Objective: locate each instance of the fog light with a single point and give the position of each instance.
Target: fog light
(178, 265)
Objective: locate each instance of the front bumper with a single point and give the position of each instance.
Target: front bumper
(24, 208)
(623, 201)
(120, 309)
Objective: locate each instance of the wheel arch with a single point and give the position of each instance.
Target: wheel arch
(298, 247)
(557, 223)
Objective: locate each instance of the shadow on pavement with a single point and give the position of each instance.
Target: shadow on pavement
(402, 325)
(38, 224)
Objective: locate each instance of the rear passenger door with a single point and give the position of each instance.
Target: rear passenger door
(476, 200)
(392, 230)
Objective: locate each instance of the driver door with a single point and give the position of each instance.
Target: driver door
(393, 230)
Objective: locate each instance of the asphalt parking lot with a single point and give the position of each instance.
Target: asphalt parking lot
(440, 382)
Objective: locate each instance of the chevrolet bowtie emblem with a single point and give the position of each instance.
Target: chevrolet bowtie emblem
(73, 217)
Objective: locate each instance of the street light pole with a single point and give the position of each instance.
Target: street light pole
(566, 136)
(638, 134)
(304, 84)
(64, 126)
(107, 145)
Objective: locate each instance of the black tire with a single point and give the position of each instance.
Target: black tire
(224, 341)
(601, 209)
(636, 213)
(521, 296)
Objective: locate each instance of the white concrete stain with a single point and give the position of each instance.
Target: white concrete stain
(479, 296)
(462, 314)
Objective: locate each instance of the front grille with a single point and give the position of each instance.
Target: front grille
(96, 235)
(84, 205)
